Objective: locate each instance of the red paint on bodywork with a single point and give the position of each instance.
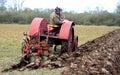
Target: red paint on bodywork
(65, 29)
(38, 25)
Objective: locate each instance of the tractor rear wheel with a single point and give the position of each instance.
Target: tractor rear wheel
(64, 47)
(67, 45)
(75, 44)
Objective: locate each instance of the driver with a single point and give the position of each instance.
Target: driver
(56, 17)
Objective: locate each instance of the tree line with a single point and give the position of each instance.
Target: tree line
(25, 16)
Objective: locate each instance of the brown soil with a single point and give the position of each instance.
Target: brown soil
(98, 57)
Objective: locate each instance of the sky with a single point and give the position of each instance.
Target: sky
(73, 5)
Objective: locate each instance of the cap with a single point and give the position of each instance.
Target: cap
(58, 9)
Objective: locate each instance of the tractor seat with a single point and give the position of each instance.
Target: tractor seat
(53, 28)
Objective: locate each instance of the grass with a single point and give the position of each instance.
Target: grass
(87, 33)
(10, 44)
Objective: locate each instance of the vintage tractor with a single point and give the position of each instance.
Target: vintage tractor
(42, 41)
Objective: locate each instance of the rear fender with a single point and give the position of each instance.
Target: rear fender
(38, 25)
(65, 29)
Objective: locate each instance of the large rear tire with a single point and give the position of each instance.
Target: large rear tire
(75, 44)
(64, 47)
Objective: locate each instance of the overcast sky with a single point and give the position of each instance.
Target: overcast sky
(75, 5)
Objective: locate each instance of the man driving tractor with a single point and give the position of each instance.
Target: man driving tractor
(56, 19)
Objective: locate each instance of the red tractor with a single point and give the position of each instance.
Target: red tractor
(42, 41)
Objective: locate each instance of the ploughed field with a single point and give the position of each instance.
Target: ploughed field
(98, 53)
(97, 57)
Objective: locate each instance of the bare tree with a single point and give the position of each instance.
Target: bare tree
(17, 4)
(2, 5)
(2, 2)
(118, 7)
